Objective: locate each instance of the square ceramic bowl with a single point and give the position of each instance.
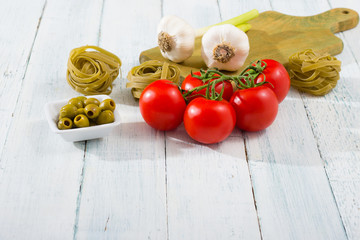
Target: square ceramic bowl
(78, 134)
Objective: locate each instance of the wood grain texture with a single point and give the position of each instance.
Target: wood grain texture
(15, 48)
(338, 140)
(39, 176)
(298, 179)
(323, 113)
(209, 190)
(123, 195)
(208, 187)
(335, 123)
(350, 37)
(279, 40)
(292, 193)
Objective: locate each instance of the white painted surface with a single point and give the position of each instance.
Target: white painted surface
(124, 185)
(16, 43)
(39, 172)
(299, 179)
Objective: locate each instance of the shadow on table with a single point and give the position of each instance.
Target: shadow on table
(138, 141)
(179, 143)
(123, 95)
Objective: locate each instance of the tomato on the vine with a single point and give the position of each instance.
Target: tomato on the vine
(256, 108)
(162, 105)
(191, 82)
(276, 74)
(209, 121)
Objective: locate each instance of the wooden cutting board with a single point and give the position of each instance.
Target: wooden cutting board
(277, 36)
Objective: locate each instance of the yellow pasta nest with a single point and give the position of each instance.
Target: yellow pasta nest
(141, 76)
(92, 72)
(314, 73)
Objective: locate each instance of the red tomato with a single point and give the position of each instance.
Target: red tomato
(209, 121)
(162, 105)
(256, 108)
(276, 74)
(191, 82)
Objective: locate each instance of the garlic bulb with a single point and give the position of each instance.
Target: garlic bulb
(225, 47)
(176, 38)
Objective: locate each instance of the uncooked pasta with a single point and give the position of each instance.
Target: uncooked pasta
(313, 72)
(141, 76)
(92, 72)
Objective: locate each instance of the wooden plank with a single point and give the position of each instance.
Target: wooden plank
(338, 139)
(40, 173)
(230, 9)
(16, 43)
(293, 195)
(290, 185)
(209, 190)
(124, 193)
(208, 187)
(276, 175)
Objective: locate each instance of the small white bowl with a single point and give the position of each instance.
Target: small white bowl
(78, 134)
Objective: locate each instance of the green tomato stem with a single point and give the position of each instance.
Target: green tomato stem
(208, 76)
(245, 80)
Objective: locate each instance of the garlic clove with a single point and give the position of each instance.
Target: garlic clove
(176, 38)
(225, 47)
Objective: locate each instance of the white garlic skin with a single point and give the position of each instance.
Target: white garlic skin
(227, 34)
(183, 36)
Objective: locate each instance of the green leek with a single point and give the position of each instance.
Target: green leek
(239, 21)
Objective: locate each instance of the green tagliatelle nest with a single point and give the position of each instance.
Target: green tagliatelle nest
(141, 76)
(92, 72)
(313, 72)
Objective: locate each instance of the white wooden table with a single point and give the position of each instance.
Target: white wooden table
(299, 179)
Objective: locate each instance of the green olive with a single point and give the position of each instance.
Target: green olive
(81, 121)
(92, 111)
(76, 102)
(80, 111)
(91, 101)
(68, 111)
(107, 104)
(65, 123)
(82, 99)
(106, 116)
